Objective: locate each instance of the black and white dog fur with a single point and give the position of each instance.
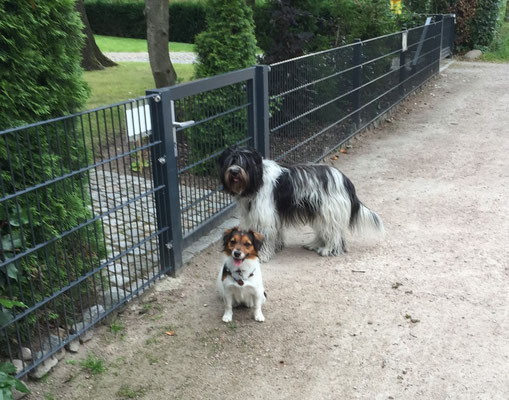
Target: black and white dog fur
(271, 196)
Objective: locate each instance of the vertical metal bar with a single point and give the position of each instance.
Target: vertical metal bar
(261, 98)
(453, 32)
(167, 200)
(402, 61)
(441, 19)
(357, 81)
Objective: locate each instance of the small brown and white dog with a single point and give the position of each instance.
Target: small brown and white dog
(240, 278)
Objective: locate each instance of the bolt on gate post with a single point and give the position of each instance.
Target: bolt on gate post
(165, 170)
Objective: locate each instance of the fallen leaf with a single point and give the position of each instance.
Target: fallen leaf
(171, 333)
(342, 150)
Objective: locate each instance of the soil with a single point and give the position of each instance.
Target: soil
(422, 315)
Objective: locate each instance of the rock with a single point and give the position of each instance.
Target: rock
(18, 364)
(43, 368)
(51, 343)
(73, 346)
(26, 353)
(118, 268)
(116, 295)
(473, 55)
(86, 336)
(92, 313)
(117, 280)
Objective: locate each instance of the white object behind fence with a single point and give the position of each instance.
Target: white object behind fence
(138, 121)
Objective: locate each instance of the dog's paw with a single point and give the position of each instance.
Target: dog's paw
(326, 252)
(311, 246)
(259, 317)
(227, 317)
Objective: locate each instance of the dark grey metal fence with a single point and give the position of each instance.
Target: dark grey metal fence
(78, 225)
(319, 101)
(96, 206)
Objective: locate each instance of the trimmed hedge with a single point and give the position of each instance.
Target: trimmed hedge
(41, 78)
(477, 21)
(127, 19)
(487, 21)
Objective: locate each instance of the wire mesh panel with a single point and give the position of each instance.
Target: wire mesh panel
(78, 229)
(319, 101)
(311, 101)
(217, 113)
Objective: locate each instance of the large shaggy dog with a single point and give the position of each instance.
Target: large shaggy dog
(271, 195)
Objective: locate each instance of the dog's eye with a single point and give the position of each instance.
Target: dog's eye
(247, 244)
(233, 241)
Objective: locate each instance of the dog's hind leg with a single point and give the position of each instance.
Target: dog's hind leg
(329, 240)
(280, 242)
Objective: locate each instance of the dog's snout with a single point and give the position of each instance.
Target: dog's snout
(236, 253)
(234, 171)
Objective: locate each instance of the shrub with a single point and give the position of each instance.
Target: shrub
(292, 29)
(477, 21)
(229, 42)
(487, 20)
(297, 27)
(226, 45)
(41, 78)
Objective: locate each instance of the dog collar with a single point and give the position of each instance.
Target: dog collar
(240, 282)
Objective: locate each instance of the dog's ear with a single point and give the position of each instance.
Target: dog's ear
(227, 236)
(257, 156)
(224, 155)
(257, 239)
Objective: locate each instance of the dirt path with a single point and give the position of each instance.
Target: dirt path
(428, 318)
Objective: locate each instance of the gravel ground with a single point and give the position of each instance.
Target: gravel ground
(176, 57)
(422, 315)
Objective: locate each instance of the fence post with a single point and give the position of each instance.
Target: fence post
(453, 32)
(165, 172)
(357, 81)
(402, 60)
(259, 95)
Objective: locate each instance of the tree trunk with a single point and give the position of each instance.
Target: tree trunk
(92, 58)
(156, 12)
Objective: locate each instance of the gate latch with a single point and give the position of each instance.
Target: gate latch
(184, 124)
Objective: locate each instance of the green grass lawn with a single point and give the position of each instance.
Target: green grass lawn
(499, 51)
(118, 44)
(127, 81)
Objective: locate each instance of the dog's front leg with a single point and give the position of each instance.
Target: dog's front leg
(228, 311)
(258, 315)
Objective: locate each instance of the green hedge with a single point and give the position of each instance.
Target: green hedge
(486, 22)
(477, 21)
(127, 19)
(41, 78)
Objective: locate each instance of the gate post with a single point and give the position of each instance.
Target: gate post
(357, 81)
(258, 120)
(165, 173)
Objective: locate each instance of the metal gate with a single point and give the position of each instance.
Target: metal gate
(195, 121)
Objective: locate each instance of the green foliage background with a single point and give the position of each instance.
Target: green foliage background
(41, 78)
(229, 42)
(477, 21)
(126, 18)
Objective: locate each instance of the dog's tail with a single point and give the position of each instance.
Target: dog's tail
(362, 220)
(366, 222)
